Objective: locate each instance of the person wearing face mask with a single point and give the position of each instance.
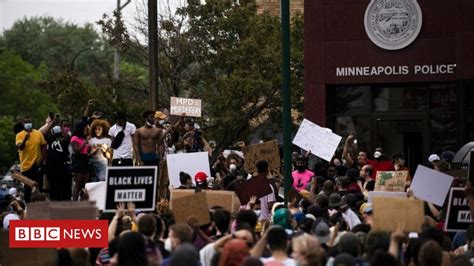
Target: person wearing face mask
(301, 176)
(146, 141)
(57, 162)
(380, 162)
(179, 234)
(30, 144)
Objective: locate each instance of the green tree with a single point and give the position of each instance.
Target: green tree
(45, 40)
(22, 96)
(239, 55)
(229, 56)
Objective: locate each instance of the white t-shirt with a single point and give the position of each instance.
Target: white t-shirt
(99, 156)
(265, 213)
(206, 254)
(9, 217)
(125, 150)
(287, 262)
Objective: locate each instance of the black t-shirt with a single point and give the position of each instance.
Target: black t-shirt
(370, 185)
(57, 153)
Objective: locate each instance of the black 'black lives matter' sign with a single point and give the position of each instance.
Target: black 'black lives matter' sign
(458, 217)
(131, 184)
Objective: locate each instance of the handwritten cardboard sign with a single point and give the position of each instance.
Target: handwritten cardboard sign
(393, 181)
(191, 205)
(265, 151)
(25, 256)
(321, 141)
(390, 212)
(62, 210)
(192, 107)
(458, 216)
(225, 199)
(373, 194)
(256, 186)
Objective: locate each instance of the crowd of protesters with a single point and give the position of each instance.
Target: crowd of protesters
(326, 219)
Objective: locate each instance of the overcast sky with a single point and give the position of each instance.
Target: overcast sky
(77, 11)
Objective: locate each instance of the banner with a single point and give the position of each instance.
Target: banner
(319, 140)
(192, 107)
(392, 181)
(131, 184)
(266, 151)
(458, 216)
(190, 163)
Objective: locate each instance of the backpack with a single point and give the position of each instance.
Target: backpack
(118, 139)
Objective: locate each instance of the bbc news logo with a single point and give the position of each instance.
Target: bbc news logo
(58, 234)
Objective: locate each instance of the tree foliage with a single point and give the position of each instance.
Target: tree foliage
(21, 96)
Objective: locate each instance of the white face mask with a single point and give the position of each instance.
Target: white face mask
(377, 154)
(168, 245)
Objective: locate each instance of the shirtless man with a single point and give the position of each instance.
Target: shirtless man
(147, 141)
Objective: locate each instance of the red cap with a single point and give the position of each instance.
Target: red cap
(200, 177)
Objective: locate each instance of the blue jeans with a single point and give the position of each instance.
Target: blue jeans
(100, 168)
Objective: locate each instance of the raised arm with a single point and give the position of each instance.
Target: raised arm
(345, 152)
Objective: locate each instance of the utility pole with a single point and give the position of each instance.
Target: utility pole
(285, 65)
(153, 52)
(118, 14)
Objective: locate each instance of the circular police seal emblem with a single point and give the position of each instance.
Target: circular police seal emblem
(393, 24)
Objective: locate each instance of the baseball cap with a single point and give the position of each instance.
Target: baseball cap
(97, 114)
(433, 157)
(200, 177)
(12, 191)
(160, 115)
(322, 232)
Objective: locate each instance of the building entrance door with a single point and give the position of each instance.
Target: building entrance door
(396, 135)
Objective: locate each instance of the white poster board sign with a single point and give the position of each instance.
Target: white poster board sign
(430, 185)
(96, 191)
(190, 163)
(192, 107)
(319, 140)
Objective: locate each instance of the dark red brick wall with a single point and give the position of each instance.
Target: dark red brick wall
(335, 37)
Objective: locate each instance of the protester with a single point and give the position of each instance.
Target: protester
(100, 147)
(131, 251)
(57, 165)
(185, 180)
(306, 250)
(80, 158)
(301, 176)
(147, 140)
(122, 141)
(178, 234)
(30, 144)
(147, 226)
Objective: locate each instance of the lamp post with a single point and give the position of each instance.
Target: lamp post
(285, 65)
(71, 66)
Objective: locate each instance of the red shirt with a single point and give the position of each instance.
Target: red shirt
(380, 166)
